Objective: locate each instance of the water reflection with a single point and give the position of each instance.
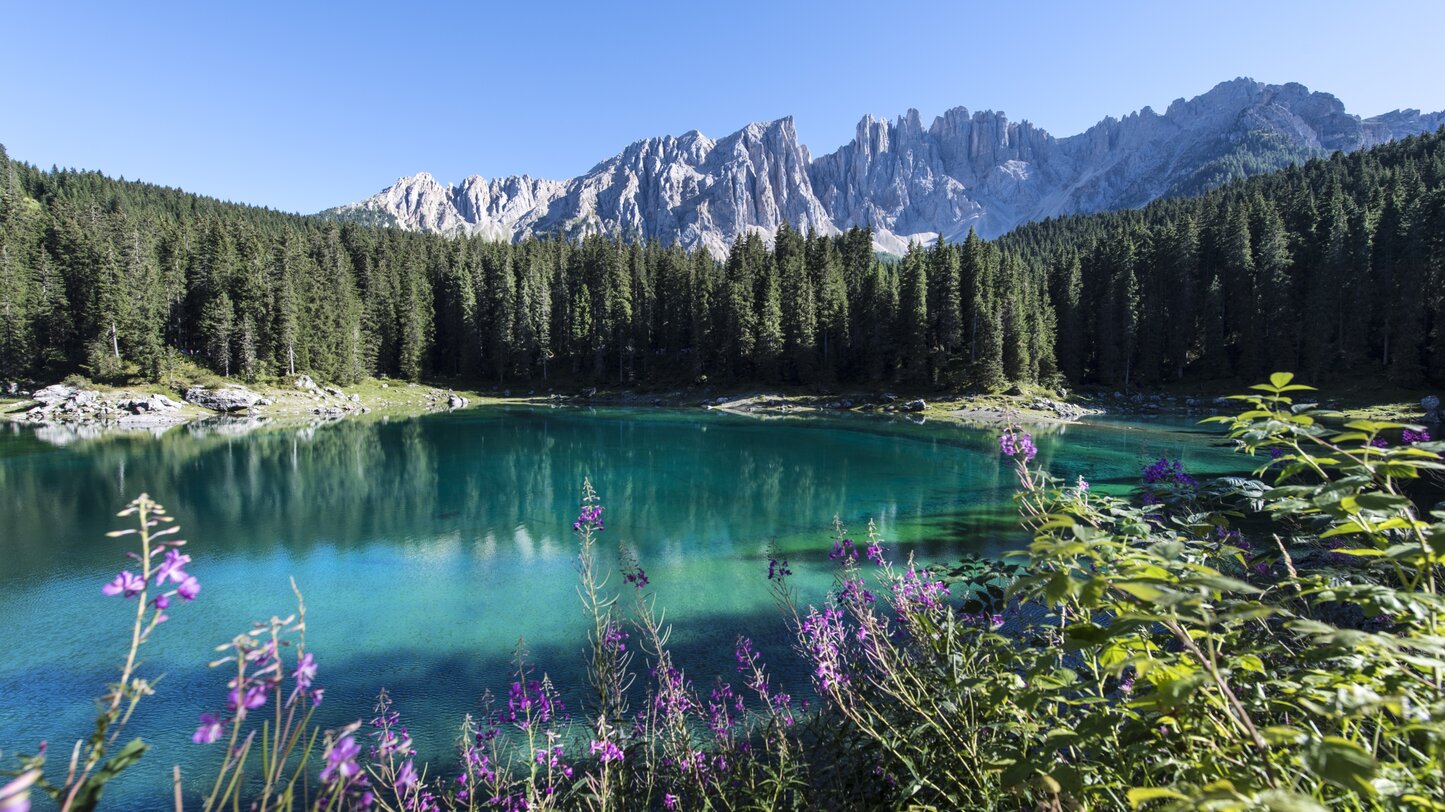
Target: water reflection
(427, 547)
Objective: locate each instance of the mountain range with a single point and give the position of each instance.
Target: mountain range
(907, 181)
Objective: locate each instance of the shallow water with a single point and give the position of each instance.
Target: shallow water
(427, 547)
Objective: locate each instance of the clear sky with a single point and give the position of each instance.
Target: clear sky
(304, 105)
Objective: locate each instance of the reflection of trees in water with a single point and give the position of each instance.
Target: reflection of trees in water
(673, 484)
(680, 482)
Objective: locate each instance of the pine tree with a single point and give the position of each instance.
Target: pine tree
(768, 351)
(218, 327)
(834, 322)
(945, 305)
(1065, 290)
(912, 328)
(799, 305)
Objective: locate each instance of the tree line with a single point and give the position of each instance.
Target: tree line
(123, 278)
(1331, 267)
(1335, 267)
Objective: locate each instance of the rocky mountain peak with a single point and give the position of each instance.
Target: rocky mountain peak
(907, 182)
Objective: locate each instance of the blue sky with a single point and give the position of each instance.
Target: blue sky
(302, 105)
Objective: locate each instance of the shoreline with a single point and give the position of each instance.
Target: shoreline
(89, 411)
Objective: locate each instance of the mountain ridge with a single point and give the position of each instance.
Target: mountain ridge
(908, 183)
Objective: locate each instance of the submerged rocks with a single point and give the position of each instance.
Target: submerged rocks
(225, 399)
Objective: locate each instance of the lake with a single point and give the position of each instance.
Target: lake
(427, 547)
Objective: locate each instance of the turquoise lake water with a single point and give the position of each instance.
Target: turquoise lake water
(427, 547)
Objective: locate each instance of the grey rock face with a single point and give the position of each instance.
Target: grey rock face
(56, 394)
(687, 189)
(908, 182)
(225, 399)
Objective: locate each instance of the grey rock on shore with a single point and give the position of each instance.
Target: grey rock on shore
(224, 399)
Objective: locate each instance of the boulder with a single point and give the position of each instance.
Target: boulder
(913, 406)
(12, 389)
(304, 383)
(54, 394)
(331, 390)
(225, 399)
(455, 401)
(1431, 405)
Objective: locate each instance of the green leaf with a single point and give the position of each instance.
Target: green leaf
(88, 796)
(1144, 592)
(1249, 662)
(1343, 763)
(1138, 796)
(1280, 380)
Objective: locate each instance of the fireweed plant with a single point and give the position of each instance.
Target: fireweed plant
(157, 579)
(1272, 642)
(1200, 646)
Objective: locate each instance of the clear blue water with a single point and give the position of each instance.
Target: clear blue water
(427, 548)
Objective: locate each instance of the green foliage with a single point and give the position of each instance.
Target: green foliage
(1270, 643)
(1332, 267)
(121, 277)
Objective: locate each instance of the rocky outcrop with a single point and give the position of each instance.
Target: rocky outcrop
(62, 404)
(225, 399)
(908, 182)
(686, 189)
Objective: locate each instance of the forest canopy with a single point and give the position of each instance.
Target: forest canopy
(1332, 267)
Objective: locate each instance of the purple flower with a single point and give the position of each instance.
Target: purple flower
(614, 638)
(843, 550)
(669, 801)
(916, 594)
(778, 569)
(590, 517)
(1013, 444)
(608, 751)
(853, 592)
(189, 588)
(1411, 437)
(530, 703)
(1168, 472)
(126, 583)
(253, 697)
(1379, 442)
(823, 635)
(171, 569)
(305, 672)
(1083, 484)
(875, 553)
(341, 760)
(209, 731)
(636, 576)
(407, 777)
